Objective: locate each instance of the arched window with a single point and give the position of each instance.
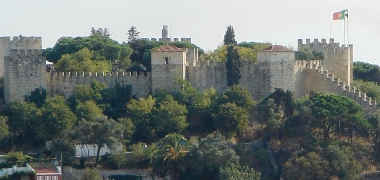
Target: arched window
(166, 60)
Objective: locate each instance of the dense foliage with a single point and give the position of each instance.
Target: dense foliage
(308, 54)
(99, 53)
(246, 50)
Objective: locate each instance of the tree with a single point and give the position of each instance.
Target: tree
(101, 132)
(56, 118)
(82, 93)
(115, 100)
(129, 129)
(238, 95)
(233, 65)
(4, 130)
(140, 111)
(169, 117)
(230, 119)
(170, 155)
(229, 36)
(204, 161)
(133, 34)
(88, 110)
(336, 114)
(24, 121)
(37, 96)
(82, 61)
(238, 172)
(366, 72)
(308, 167)
(91, 174)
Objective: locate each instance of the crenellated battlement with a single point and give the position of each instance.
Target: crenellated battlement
(322, 45)
(340, 86)
(186, 40)
(23, 56)
(117, 75)
(22, 42)
(337, 58)
(25, 52)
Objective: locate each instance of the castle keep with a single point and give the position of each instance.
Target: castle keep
(276, 67)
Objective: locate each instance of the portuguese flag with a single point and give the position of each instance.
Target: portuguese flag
(340, 15)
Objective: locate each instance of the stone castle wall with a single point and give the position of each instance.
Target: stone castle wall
(338, 58)
(312, 76)
(18, 42)
(24, 73)
(63, 83)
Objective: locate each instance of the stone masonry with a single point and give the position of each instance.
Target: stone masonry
(25, 70)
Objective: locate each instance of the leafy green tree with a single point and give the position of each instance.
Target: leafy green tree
(238, 95)
(88, 110)
(370, 88)
(133, 34)
(140, 111)
(366, 72)
(4, 130)
(83, 93)
(199, 106)
(169, 117)
(63, 148)
(233, 65)
(308, 167)
(37, 96)
(230, 119)
(96, 42)
(275, 110)
(57, 118)
(229, 36)
(342, 162)
(246, 50)
(115, 99)
(82, 61)
(204, 161)
(101, 132)
(170, 155)
(129, 129)
(238, 172)
(91, 174)
(335, 114)
(24, 121)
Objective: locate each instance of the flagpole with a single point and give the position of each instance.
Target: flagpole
(344, 30)
(348, 37)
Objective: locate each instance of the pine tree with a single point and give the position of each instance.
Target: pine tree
(133, 34)
(229, 37)
(233, 66)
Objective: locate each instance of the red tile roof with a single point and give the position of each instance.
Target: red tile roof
(168, 48)
(278, 48)
(45, 170)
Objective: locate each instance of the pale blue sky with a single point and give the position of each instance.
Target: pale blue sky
(276, 21)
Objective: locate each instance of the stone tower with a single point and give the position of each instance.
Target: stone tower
(20, 42)
(165, 32)
(168, 66)
(277, 62)
(25, 71)
(337, 58)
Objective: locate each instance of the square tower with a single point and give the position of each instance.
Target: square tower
(168, 66)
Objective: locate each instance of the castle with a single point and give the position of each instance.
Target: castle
(276, 67)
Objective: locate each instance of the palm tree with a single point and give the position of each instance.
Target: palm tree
(172, 149)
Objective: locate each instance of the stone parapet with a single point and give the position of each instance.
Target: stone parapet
(339, 86)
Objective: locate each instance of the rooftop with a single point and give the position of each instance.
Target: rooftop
(168, 48)
(278, 48)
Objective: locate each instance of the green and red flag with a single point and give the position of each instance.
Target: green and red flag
(340, 15)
